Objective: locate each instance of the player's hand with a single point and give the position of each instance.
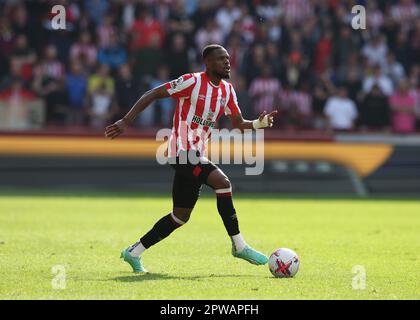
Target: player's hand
(114, 130)
(270, 117)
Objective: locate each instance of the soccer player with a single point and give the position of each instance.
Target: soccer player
(201, 99)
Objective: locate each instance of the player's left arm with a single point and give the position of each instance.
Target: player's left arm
(265, 120)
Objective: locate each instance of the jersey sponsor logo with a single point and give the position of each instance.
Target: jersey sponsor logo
(210, 116)
(205, 123)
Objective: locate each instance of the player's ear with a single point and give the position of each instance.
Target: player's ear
(206, 61)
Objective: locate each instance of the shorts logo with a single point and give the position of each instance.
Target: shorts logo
(177, 82)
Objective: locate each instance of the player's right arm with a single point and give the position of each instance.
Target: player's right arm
(181, 87)
(114, 130)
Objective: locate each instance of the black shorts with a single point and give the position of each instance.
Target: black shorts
(188, 180)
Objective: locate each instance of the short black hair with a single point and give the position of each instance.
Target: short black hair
(209, 49)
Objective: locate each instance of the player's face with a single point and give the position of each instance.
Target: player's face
(220, 64)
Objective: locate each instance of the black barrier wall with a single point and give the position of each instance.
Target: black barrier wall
(399, 175)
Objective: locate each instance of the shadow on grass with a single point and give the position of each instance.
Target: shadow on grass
(89, 193)
(161, 276)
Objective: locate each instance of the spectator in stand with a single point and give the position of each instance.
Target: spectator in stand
(375, 111)
(15, 72)
(76, 86)
(353, 65)
(375, 50)
(405, 12)
(211, 33)
(24, 57)
(247, 25)
(323, 52)
(285, 105)
(48, 83)
(303, 106)
(84, 50)
(393, 69)
(97, 10)
(204, 12)
(113, 54)
(15, 97)
(146, 32)
(384, 82)
(375, 17)
(180, 22)
(293, 70)
(101, 107)
(148, 59)
(7, 41)
(244, 99)
(268, 10)
(354, 85)
(236, 51)
(341, 111)
(162, 110)
(227, 15)
(401, 50)
(295, 106)
(100, 78)
(414, 45)
(128, 90)
(21, 24)
(296, 11)
(345, 45)
(177, 57)
(127, 14)
(264, 90)
(105, 32)
(16, 89)
(414, 81)
(253, 63)
(273, 60)
(403, 109)
(319, 99)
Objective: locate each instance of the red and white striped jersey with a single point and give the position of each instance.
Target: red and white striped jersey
(199, 104)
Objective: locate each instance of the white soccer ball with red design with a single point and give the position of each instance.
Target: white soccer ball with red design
(284, 263)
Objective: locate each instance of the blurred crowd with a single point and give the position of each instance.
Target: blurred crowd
(301, 57)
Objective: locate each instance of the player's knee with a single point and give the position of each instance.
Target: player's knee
(223, 183)
(183, 215)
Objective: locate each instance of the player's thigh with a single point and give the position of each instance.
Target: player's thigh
(185, 193)
(198, 171)
(217, 179)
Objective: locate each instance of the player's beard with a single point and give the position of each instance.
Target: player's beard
(224, 75)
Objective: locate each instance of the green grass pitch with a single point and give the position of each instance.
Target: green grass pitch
(85, 234)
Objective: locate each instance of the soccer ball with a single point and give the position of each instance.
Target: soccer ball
(284, 263)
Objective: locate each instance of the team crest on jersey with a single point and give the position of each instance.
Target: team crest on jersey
(223, 101)
(177, 82)
(210, 116)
